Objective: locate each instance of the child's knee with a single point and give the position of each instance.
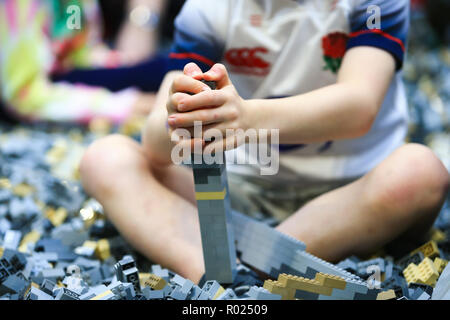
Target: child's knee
(412, 180)
(105, 160)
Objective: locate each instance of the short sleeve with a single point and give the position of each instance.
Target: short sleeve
(196, 37)
(391, 32)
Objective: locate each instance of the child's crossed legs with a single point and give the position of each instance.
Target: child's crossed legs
(155, 208)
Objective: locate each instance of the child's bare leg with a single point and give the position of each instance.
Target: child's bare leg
(153, 209)
(399, 198)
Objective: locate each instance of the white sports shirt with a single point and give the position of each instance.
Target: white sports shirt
(279, 48)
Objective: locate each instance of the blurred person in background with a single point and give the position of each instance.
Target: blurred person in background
(38, 39)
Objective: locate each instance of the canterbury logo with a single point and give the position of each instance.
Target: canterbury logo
(248, 61)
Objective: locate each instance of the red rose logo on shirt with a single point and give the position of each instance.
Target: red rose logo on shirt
(334, 45)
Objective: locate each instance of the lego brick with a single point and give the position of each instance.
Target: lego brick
(214, 211)
(442, 285)
(153, 294)
(386, 295)
(53, 274)
(278, 288)
(212, 288)
(37, 294)
(14, 284)
(440, 264)
(158, 271)
(331, 281)
(258, 293)
(11, 239)
(429, 249)
(48, 286)
(227, 294)
(107, 295)
(300, 283)
(415, 258)
(155, 282)
(31, 237)
(102, 251)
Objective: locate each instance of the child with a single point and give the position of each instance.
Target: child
(341, 116)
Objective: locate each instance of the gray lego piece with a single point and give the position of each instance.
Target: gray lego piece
(442, 287)
(216, 229)
(152, 294)
(123, 290)
(259, 293)
(14, 284)
(228, 294)
(11, 239)
(179, 280)
(65, 294)
(158, 271)
(53, 274)
(187, 286)
(93, 292)
(362, 266)
(36, 294)
(195, 293)
(177, 294)
(268, 250)
(86, 264)
(48, 286)
(210, 288)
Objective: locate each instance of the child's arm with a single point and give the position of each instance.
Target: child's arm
(346, 109)
(343, 110)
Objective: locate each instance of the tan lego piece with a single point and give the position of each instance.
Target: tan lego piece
(102, 251)
(304, 284)
(1, 251)
(5, 183)
(142, 277)
(386, 295)
(427, 272)
(438, 235)
(57, 216)
(276, 287)
(30, 237)
(218, 293)
(440, 264)
(101, 295)
(330, 281)
(429, 249)
(90, 244)
(22, 190)
(411, 273)
(155, 282)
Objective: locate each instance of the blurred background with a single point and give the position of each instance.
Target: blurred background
(115, 65)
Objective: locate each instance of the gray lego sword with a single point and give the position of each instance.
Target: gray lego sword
(214, 211)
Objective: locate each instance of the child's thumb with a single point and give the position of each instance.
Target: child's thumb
(192, 70)
(219, 74)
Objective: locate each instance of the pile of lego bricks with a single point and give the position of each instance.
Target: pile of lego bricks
(57, 244)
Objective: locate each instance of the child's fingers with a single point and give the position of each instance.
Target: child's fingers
(183, 83)
(205, 116)
(206, 99)
(218, 73)
(174, 101)
(192, 70)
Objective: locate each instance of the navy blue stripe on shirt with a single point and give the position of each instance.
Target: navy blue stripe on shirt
(376, 38)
